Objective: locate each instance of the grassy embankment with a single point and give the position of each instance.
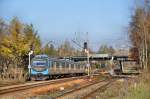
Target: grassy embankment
(135, 88)
(141, 89)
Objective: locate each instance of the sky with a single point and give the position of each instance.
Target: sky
(106, 21)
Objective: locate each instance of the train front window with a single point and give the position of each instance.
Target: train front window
(39, 63)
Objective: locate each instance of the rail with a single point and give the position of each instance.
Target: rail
(85, 90)
(20, 87)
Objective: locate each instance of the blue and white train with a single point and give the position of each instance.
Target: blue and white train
(44, 67)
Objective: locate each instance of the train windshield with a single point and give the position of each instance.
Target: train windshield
(39, 63)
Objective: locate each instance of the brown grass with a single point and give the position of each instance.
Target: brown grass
(12, 76)
(141, 88)
(135, 88)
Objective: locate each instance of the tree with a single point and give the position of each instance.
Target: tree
(139, 32)
(33, 42)
(32, 39)
(66, 49)
(16, 45)
(12, 45)
(3, 30)
(2, 26)
(50, 50)
(104, 49)
(16, 40)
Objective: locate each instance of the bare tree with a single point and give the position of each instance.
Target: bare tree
(140, 33)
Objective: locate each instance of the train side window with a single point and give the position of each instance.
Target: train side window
(63, 64)
(57, 64)
(72, 66)
(77, 66)
(80, 66)
(67, 65)
(60, 65)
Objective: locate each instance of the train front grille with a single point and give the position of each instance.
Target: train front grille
(37, 68)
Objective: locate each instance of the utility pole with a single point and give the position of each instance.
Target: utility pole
(88, 61)
(86, 50)
(88, 54)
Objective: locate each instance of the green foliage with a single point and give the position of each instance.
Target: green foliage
(104, 49)
(50, 50)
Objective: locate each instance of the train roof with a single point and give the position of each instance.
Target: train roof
(41, 56)
(44, 56)
(61, 60)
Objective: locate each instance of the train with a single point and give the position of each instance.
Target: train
(43, 68)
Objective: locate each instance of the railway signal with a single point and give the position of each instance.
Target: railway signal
(88, 61)
(29, 66)
(85, 45)
(85, 48)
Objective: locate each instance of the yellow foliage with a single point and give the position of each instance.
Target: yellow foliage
(16, 44)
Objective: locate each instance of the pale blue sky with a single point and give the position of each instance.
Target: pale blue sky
(104, 20)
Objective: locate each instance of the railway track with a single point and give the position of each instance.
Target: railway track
(86, 90)
(99, 88)
(22, 87)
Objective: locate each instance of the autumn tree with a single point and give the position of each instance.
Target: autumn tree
(17, 43)
(139, 32)
(33, 42)
(32, 39)
(12, 44)
(3, 29)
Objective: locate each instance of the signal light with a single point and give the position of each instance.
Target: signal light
(85, 45)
